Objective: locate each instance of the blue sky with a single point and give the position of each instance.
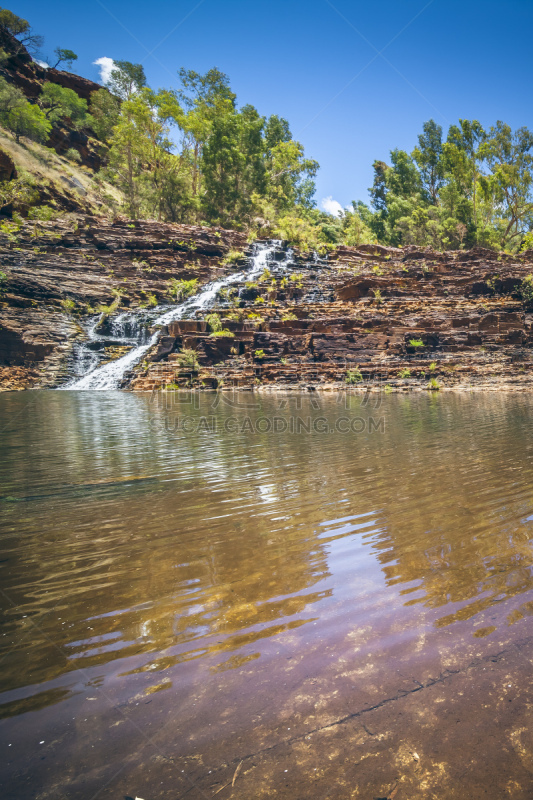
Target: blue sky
(354, 79)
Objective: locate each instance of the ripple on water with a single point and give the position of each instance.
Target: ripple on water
(233, 569)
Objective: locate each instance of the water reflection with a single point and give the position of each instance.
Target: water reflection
(132, 547)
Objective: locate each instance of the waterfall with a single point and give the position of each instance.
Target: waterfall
(130, 328)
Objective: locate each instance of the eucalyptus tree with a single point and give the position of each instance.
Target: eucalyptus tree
(428, 157)
(126, 79)
(509, 181)
(463, 157)
(205, 98)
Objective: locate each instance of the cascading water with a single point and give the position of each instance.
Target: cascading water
(132, 327)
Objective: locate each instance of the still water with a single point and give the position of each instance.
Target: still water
(220, 595)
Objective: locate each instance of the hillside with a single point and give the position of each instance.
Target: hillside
(19, 69)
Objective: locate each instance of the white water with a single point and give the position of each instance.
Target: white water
(110, 376)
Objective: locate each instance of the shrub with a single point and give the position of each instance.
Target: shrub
(353, 376)
(188, 358)
(73, 155)
(10, 96)
(526, 288)
(404, 373)
(259, 354)
(223, 332)
(58, 102)
(105, 110)
(228, 293)
(68, 305)
(21, 192)
(289, 317)
(214, 322)
(182, 289)
(301, 232)
(112, 307)
(433, 384)
(3, 281)
(235, 316)
(416, 343)
(527, 244)
(233, 256)
(42, 213)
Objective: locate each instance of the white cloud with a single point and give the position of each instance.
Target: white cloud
(106, 65)
(331, 206)
(42, 63)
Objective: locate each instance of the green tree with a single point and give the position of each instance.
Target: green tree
(222, 163)
(64, 56)
(396, 193)
(510, 161)
(21, 30)
(126, 79)
(378, 200)
(428, 157)
(289, 173)
(277, 130)
(239, 169)
(403, 180)
(29, 121)
(463, 156)
(141, 150)
(10, 97)
(105, 113)
(57, 102)
(205, 98)
(356, 225)
(125, 166)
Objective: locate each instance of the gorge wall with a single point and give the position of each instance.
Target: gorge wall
(366, 317)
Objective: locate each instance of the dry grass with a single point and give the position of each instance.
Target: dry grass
(44, 164)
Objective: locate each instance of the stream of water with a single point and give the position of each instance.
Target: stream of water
(140, 329)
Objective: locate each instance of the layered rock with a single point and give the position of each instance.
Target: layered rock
(59, 272)
(372, 317)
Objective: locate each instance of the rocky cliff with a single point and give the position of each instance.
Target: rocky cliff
(373, 317)
(57, 273)
(366, 317)
(27, 75)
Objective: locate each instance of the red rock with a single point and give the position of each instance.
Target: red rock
(7, 167)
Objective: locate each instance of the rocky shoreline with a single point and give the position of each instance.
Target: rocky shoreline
(368, 318)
